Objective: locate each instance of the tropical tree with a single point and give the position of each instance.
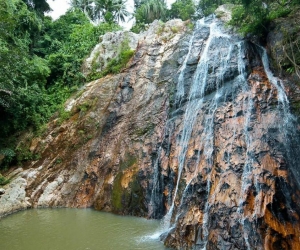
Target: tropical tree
(40, 6)
(120, 12)
(137, 3)
(103, 10)
(86, 6)
(183, 9)
(146, 11)
(15, 45)
(151, 10)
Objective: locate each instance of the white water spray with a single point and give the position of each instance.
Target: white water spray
(180, 84)
(194, 105)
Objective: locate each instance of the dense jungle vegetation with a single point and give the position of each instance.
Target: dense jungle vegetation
(41, 58)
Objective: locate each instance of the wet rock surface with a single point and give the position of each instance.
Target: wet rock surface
(194, 128)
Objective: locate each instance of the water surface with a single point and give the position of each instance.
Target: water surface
(76, 229)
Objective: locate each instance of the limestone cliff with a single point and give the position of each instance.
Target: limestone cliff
(196, 130)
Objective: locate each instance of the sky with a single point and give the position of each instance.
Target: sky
(59, 7)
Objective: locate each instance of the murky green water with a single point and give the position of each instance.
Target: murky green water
(76, 229)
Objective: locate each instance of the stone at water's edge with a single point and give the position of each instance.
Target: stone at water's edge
(119, 150)
(13, 196)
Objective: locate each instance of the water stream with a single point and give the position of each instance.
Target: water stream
(196, 100)
(220, 54)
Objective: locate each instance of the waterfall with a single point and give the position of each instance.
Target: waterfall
(246, 183)
(276, 82)
(180, 84)
(285, 119)
(155, 207)
(220, 81)
(196, 99)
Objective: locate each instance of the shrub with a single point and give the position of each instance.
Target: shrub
(3, 180)
(8, 154)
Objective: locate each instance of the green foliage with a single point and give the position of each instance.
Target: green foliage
(40, 66)
(160, 29)
(63, 115)
(117, 192)
(254, 20)
(23, 75)
(175, 29)
(83, 107)
(65, 63)
(110, 11)
(254, 16)
(24, 154)
(58, 161)
(40, 6)
(148, 11)
(207, 7)
(190, 26)
(138, 28)
(15, 47)
(144, 130)
(7, 156)
(183, 9)
(3, 180)
(45, 83)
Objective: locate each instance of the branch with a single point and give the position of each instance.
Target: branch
(6, 91)
(292, 60)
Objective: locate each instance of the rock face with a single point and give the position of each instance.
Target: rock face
(109, 47)
(196, 130)
(13, 197)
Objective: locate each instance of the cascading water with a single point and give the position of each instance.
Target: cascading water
(277, 83)
(155, 208)
(180, 84)
(221, 76)
(247, 106)
(285, 121)
(199, 89)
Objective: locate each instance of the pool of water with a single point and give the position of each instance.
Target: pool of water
(76, 229)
